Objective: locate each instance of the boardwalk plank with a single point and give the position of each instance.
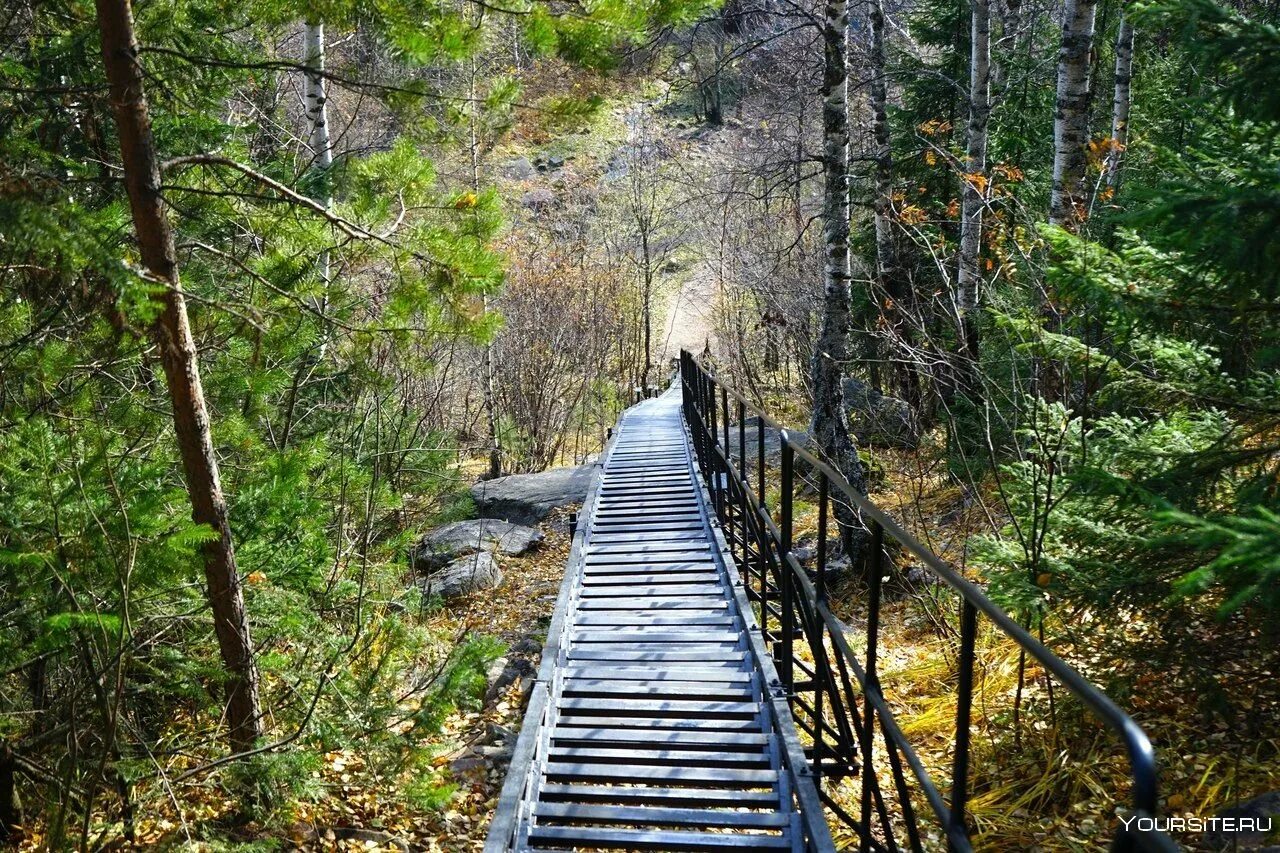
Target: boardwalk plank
(656, 816)
(711, 797)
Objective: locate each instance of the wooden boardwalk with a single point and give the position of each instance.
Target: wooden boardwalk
(657, 722)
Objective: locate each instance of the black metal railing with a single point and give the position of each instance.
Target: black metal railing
(836, 695)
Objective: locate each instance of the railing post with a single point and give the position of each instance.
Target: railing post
(964, 704)
(874, 574)
(683, 374)
(760, 459)
(823, 501)
(704, 419)
(727, 502)
(762, 567)
(711, 456)
(819, 642)
(744, 505)
(784, 564)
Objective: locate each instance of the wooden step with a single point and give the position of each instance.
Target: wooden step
(580, 813)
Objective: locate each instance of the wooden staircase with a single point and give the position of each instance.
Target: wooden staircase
(658, 722)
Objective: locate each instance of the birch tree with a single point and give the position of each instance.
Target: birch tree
(1071, 114)
(893, 292)
(315, 100)
(969, 277)
(1121, 101)
(830, 424)
(171, 335)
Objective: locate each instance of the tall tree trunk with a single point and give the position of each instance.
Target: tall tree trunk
(830, 426)
(1120, 105)
(893, 291)
(10, 816)
(1071, 116)
(171, 333)
(490, 396)
(969, 276)
(1068, 202)
(315, 100)
(646, 274)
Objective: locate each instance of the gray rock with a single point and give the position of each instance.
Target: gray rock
(772, 442)
(877, 419)
(499, 678)
(529, 498)
(804, 555)
(518, 169)
(469, 762)
(497, 733)
(527, 646)
(473, 573)
(539, 199)
(456, 540)
(916, 576)
(555, 162)
(617, 167)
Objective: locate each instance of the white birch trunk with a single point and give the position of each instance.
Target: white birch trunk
(969, 276)
(1121, 103)
(314, 96)
(893, 291)
(830, 426)
(1071, 116)
(315, 101)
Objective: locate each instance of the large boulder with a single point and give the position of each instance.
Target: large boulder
(473, 573)
(879, 420)
(519, 169)
(772, 442)
(448, 543)
(538, 200)
(529, 498)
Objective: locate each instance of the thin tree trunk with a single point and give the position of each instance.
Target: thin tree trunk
(171, 333)
(315, 99)
(647, 296)
(1071, 116)
(1121, 103)
(830, 426)
(10, 818)
(490, 393)
(893, 291)
(969, 276)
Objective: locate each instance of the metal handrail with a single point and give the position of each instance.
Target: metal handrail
(843, 734)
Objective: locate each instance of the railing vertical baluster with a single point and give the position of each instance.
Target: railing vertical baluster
(714, 472)
(823, 501)
(874, 575)
(760, 460)
(820, 653)
(762, 568)
(727, 508)
(704, 383)
(964, 704)
(784, 568)
(744, 505)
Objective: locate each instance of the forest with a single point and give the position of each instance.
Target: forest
(288, 285)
